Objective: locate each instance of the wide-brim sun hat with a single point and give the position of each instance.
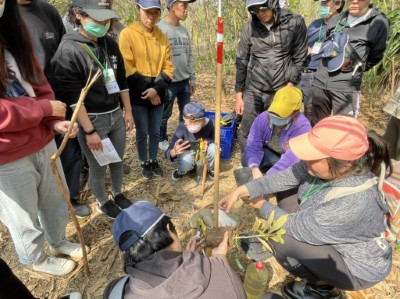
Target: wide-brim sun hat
(99, 10)
(340, 137)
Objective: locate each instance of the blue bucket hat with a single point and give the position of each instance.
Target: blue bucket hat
(194, 110)
(139, 219)
(148, 4)
(170, 2)
(335, 49)
(256, 2)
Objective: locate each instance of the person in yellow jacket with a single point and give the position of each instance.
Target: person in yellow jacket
(149, 70)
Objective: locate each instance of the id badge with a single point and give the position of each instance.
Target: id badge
(110, 82)
(316, 48)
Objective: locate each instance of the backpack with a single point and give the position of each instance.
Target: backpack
(390, 189)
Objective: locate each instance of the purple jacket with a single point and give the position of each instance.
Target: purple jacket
(261, 133)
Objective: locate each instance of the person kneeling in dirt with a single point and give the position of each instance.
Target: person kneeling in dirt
(158, 268)
(336, 239)
(196, 127)
(267, 149)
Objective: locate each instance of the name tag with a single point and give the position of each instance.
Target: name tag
(110, 82)
(316, 48)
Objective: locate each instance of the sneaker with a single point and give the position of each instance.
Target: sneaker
(81, 210)
(55, 266)
(210, 174)
(163, 145)
(147, 173)
(110, 209)
(121, 201)
(176, 175)
(156, 168)
(126, 168)
(69, 248)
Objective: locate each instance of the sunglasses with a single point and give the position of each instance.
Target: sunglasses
(255, 10)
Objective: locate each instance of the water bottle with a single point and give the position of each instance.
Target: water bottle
(255, 280)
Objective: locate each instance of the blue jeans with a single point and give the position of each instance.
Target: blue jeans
(186, 159)
(31, 204)
(147, 122)
(71, 159)
(180, 90)
(269, 159)
(109, 125)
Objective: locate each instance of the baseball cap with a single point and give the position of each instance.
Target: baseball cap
(148, 4)
(340, 137)
(170, 2)
(194, 110)
(335, 49)
(99, 10)
(286, 100)
(138, 218)
(256, 2)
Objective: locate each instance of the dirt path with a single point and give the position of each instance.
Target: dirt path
(179, 200)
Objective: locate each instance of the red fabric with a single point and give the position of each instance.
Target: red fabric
(26, 124)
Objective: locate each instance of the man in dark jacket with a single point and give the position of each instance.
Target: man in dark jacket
(356, 41)
(271, 52)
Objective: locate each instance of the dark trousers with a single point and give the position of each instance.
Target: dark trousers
(316, 263)
(71, 159)
(10, 286)
(305, 84)
(327, 102)
(255, 102)
(288, 199)
(181, 91)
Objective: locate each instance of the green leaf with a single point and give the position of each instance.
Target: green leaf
(256, 225)
(280, 232)
(279, 223)
(265, 244)
(278, 239)
(267, 223)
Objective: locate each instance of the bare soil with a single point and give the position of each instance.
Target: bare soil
(179, 200)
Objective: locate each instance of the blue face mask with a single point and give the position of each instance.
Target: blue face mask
(324, 12)
(96, 30)
(278, 121)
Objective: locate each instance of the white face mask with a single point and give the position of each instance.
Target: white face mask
(2, 6)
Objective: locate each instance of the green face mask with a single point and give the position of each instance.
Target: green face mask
(324, 12)
(96, 30)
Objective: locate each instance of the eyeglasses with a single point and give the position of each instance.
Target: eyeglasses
(256, 9)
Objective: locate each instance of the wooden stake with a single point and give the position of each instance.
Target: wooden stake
(55, 170)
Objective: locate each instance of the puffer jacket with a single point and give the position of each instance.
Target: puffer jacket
(267, 59)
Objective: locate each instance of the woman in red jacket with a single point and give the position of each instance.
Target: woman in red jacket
(31, 205)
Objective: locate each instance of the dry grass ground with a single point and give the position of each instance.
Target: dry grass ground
(179, 200)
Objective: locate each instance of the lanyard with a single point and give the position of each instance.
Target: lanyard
(320, 35)
(91, 54)
(338, 27)
(313, 190)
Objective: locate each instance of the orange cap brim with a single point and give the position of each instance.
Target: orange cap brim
(303, 148)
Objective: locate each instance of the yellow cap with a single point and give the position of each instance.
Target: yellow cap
(286, 100)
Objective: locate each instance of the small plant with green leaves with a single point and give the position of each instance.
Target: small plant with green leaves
(265, 229)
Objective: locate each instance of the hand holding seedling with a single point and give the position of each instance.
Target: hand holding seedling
(195, 244)
(223, 247)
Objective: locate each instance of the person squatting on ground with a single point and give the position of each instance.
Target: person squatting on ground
(101, 116)
(156, 265)
(315, 36)
(356, 41)
(183, 83)
(149, 70)
(270, 54)
(267, 150)
(31, 205)
(335, 239)
(196, 127)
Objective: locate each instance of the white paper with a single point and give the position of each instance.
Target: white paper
(108, 154)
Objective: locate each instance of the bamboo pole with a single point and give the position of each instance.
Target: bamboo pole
(220, 47)
(55, 170)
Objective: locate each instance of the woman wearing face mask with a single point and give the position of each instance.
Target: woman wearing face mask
(101, 116)
(195, 127)
(267, 150)
(149, 70)
(316, 35)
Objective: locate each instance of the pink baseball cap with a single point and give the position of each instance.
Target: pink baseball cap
(340, 137)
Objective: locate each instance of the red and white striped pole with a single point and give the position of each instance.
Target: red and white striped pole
(220, 55)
